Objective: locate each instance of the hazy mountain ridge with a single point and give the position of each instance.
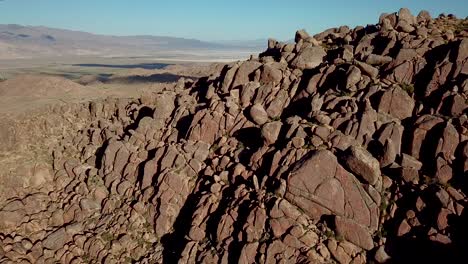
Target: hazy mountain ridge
(18, 41)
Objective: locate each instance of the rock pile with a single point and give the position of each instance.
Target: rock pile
(349, 146)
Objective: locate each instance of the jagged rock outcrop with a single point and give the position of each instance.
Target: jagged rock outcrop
(343, 147)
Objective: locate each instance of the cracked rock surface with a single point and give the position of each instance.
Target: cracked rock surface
(349, 146)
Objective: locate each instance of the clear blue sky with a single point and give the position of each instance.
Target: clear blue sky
(211, 19)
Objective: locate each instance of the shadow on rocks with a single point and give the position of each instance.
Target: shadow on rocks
(416, 246)
(251, 139)
(175, 242)
(422, 250)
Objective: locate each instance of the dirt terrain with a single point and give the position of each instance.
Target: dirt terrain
(348, 146)
(29, 88)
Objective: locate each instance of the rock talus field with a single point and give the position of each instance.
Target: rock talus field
(348, 146)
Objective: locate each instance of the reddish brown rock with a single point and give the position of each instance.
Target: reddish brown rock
(422, 126)
(442, 219)
(353, 77)
(319, 185)
(396, 103)
(354, 233)
(404, 228)
(409, 174)
(363, 164)
(301, 35)
(389, 154)
(374, 59)
(10, 219)
(248, 253)
(440, 239)
(423, 16)
(457, 105)
(164, 105)
(448, 142)
(443, 172)
(408, 161)
(56, 239)
(309, 58)
(229, 77)
(178, 175)
(204, 128)
(245, 73)
(271, 74)
(394, 132)
(258, 114)
(338, 252)
(369, 70)
(270, 132)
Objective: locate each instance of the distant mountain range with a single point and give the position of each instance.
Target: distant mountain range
(18, 41)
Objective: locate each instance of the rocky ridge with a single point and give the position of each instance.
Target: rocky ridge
(349, 146)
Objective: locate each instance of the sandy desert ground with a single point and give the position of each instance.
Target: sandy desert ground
(29, 83)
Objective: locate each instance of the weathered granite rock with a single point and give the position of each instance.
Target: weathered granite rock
(258, 114)
(397, 103)
(363, 164)
(320, 186)
(309, 58)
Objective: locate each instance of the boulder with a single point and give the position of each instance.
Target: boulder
(404, 14)
(389, 153)
(245, 73)
(309, 58)
(56, 239)
(270, 132)
(397, 103)
(367, 69)
(353, 76)
(229, 78)
(164, 106)
(363, 164)
(423, 16)
(10, 219)
(301, 35)
(270, 74)
(354, 233)
(258, 114)
(423, 125)
(374, 59)
(381, 256)
(320, 186)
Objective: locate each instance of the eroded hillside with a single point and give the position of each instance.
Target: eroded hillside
(349, 146)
